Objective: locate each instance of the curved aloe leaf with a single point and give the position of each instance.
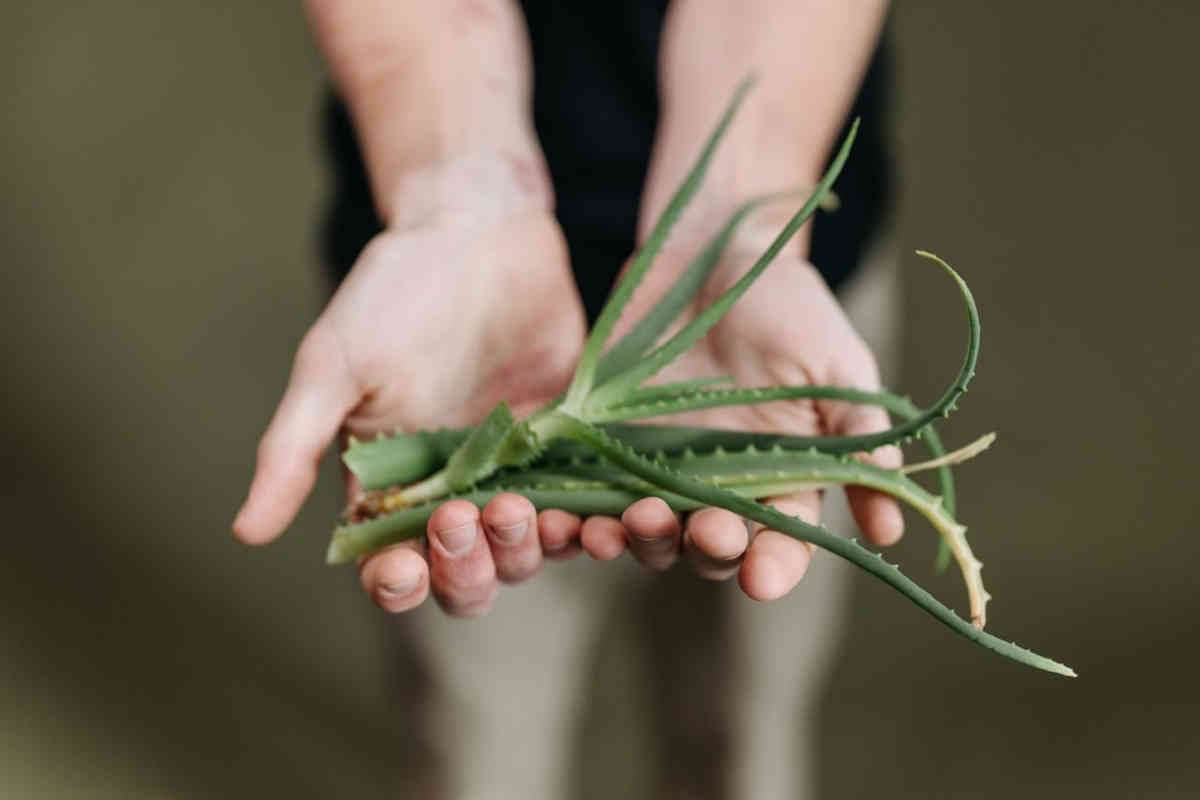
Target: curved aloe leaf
(707, 494)
(649, 328)
(585, 373)
(617, 387)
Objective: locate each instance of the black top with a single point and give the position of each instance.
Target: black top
(595, 109)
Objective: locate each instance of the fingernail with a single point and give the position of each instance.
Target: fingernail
(460, 540)
(511, 534)
(399, 587)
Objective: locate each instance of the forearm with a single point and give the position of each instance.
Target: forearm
(809, 56)
(430, 84)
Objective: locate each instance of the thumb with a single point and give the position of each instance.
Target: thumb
(319, 395)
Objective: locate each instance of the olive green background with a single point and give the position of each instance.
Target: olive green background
(160, 182)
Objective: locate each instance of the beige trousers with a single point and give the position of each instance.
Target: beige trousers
(506, 692)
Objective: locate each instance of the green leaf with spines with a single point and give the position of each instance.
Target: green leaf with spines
(582, 382)
(357, 539)
(500, 441)
(650, 327)
(619, 386)
(751, 472)
(709, 495)
(780, 471)
(432, 448)
(401, 458)
(667, 391)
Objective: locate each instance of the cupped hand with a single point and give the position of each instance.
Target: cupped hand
(787, 329)
(440, 320)
(436, 323)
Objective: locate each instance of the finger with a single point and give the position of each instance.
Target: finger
(319, 395)
(462, 573)
(396, 578)
(510, 522)
(559, 534)
(714, 542)
(603, 538)
(654, 532)
(877, 514)
(775, 562)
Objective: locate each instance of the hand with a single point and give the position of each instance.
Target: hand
(787, 329)
(461, 305)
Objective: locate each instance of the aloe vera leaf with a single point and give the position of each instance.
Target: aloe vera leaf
(718, 398)
(498, 442)
(670, 480)
(666, 391)
(625, 352)
(649, 328)
(597, 487)
(672, 439)
(712, 398)
(780, 471)
(419, 454)
(647, 406)
(354, 540)
(585, 372)
(914, 426)
(750, 472)
(402, 458)
(650, 438)
(964, 453)
(619, 386)
(641, 407)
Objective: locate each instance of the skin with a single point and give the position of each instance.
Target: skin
(467, 297)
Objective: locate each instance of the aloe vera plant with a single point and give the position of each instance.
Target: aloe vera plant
(575, 453)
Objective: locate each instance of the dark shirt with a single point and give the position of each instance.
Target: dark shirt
(595, 109)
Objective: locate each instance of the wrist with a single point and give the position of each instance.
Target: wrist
(762, 154)
(481, 187)
(771, 142)
(430, 87)
(809, 57)
(423, 139)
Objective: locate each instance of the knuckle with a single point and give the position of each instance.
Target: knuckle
(520, 570)
(466, 605)
(313, 350)
(321, 353)
(657, 558)
(713, 572)
(464, 582)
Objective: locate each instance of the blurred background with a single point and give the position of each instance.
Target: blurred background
(160, 184)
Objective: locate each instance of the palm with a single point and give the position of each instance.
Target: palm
(439, 327)
(787, 330)
(433, 326)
